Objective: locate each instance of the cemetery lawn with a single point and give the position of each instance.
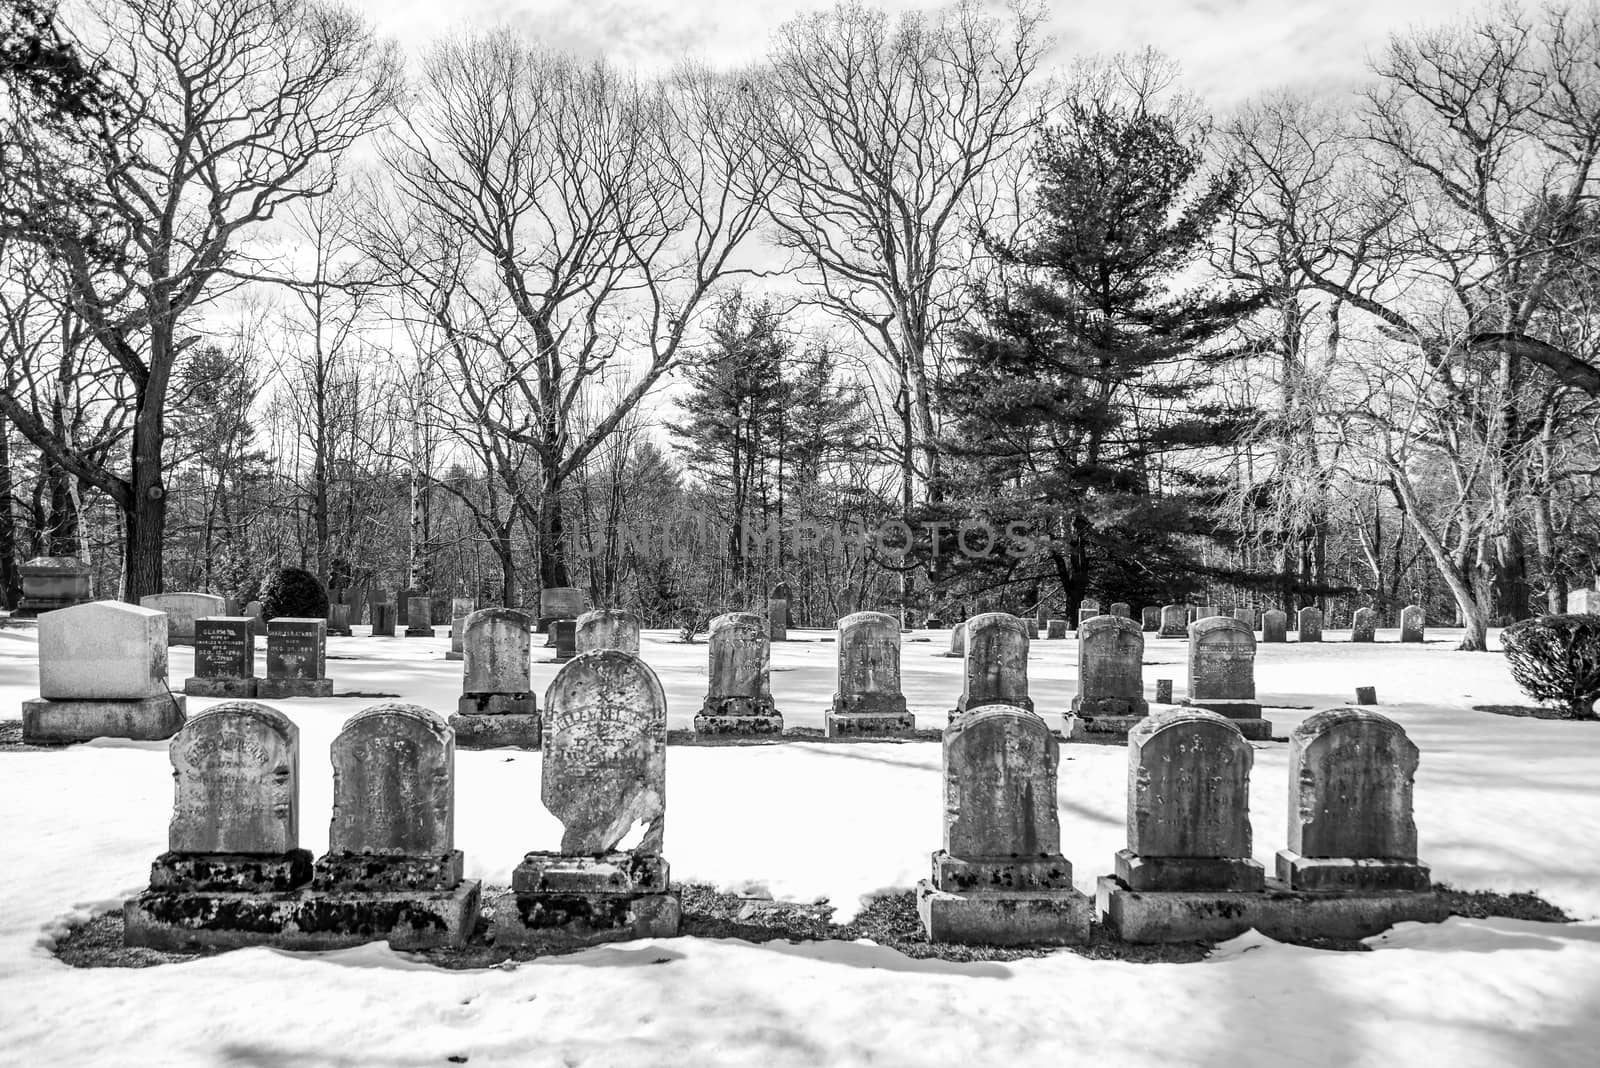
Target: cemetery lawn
(1504, 803)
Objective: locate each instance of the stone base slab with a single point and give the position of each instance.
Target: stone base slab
(499, 731)
(869, 724)
(379, 873)
(183, 921)
(1111, 708)
(1189, 873)
(1048, 918)
(1351, 874)
(219, 687)
(276, 689)
(145, 719)
(610, 873)
(497, 704)
(1242, 714)
(1277, 912)
(453, 655)
(768, 723)
(419, 632)
(564, 921)
(1101, 726)
(245, 873)
(978, 875)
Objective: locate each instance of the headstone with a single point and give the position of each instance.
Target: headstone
(1163, 691)
(1150, 619)
(1085, 614)
(777, 616)
(604, 778)
(1363, 625)
(383, 616)
(1247, 616)
(1351, 773)
(498, 707)
(296, 659)
(50, 583)
(102, 674)
(1366, 695)
(1309, 624)
(559, 602)
(782, 592)
(738, 692)
(564, 633)
(224, 658)
(1174, 621)
(958, 640)
(419, 615)
(1190, 614)
(1001, 878)
(608, 628)
(1206, 611)
(1274, 626)
(182, 610)
(339, 620)
(1222, 677)
(1412, 623)
(868, 700)
(1057, 629)
(1110, 673)
(258, 620)
(1583, 601)
(995, 668)
(460, 609)
(1121, 608)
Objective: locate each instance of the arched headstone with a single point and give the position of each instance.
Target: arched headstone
(497, 706)
(738, 690)
(1174, 621)
(1413, 623)
(995, 668)
(1309, 624)
(608, 628)
(958, 640)
(1110, 669)
(1363, 625)
(1274, 626)
(869, 700)
(1222, 679)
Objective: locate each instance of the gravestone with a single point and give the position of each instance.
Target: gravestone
(1056, 629)
(1582, 602)
(558, 602)
(1274, 626)
(182, 610)
(339, 620)
(1150, 619)
(50, 583)
(233, 857)
(224, 658)
(102, 674)
(869, 701)
(782, 592)
(1309, 624)
(777, 625)
(995, 668)
(1190, 614)
(296, 659)
(608, 628)
(564, 636)
(1001, 878)
(419, 615)
(958, 640)
(497, 706)
(1222, 676)
(1110, 696)
(383, 616)
(1174, 621)
(1363, 625)
(1163, 691)
(1088, 608)
(1122, 608)
(604, 778)
(460, 609)
(738, 690)
(1412, 623)
(1206, 611)
(258, 620)
(1247, 616)
(1351, 773)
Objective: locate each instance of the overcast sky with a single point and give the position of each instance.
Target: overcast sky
(1229, 49)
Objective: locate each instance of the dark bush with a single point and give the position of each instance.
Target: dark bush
(1556, 659)
(293, 592)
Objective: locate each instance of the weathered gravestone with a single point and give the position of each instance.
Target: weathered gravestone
(339, 620)
(1413, 623)
(102, 674)
(1174, 621)
(296, 659)
(738, 690)
(958, 640)
(1110, 696)
(777, 621)
(182, 610)
(1222, 673)
(1309, 624)
(392, 870)
(1121, 608)
(1150, 619)
(419, 615)
(1088, 608)
(604, 778)
(564, 636)
(224, 658)
(498, 706)
(995, 668)
(1274, 626)
(869, 701)
(1247, 616)
(381, 613)
(1206, 611)
(258, 619)
(1363, 625)
(558, 602)
(782, 592)
(51, 583)
(608, 628)
(1056, 629)
(460, 609)
(233, 857)
(1001, 878)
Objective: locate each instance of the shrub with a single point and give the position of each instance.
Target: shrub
(293, 592)
(1557, 659)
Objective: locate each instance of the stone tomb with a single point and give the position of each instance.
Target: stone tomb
(1000, 878)
(995, 668)
(296, 659)
(1110, 696)
(182, 610)
(1413, 623)
(738, 689)
(958, 640)
(419, 615)
(869, 701)
(604, 778)
(1364, 625)
(1274, 626)
(102, 674)
(460, 609)
(498, 706)
(224, 658)
(1174, 621)
(1308, 624)
(608, 628)
(50, 583)
(1222, 673)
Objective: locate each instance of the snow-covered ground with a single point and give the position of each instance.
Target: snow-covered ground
(1502, 803)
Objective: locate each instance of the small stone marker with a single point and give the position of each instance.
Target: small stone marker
(1366, 695)
(1174, 621)
(1110, 696)
(996, 664)
(1309, 625)
(224, 658)
(182, 610)
(738, 691)
(1222, 679)
(1056, 629)
(608, 628)
(102, 674)
(1247, 616)
(1274, 626)
(777, 620)
(1350, 825)
(958, 640)
(1001, 878)
(1363, 625)
(1412, 623)
(1163, 691)
(296, 659)
(868, 700)
(419, 615)
(1150, 619)
(497, 706)
(1121, 608)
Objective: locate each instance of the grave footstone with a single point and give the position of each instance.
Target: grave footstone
(958, 640)
(608, 628)
(869, 701)
(1222, 677)
(1001, 878)
(182, 610)
(419, 615)
(102, 674)
(1150, 619)
(1363, 625)
(1057, 630)
(604, 778)
(1413, 623)
(1110, 697)
(1309, 624)
(1274, 626)
(224, 658)
(498, 706)
(296, 659)
(1174, 621)
(995, 668)
(738, 692)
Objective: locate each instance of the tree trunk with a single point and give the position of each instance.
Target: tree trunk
(10, 579)
(145, 510)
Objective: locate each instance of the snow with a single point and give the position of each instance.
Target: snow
(1502, 803)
